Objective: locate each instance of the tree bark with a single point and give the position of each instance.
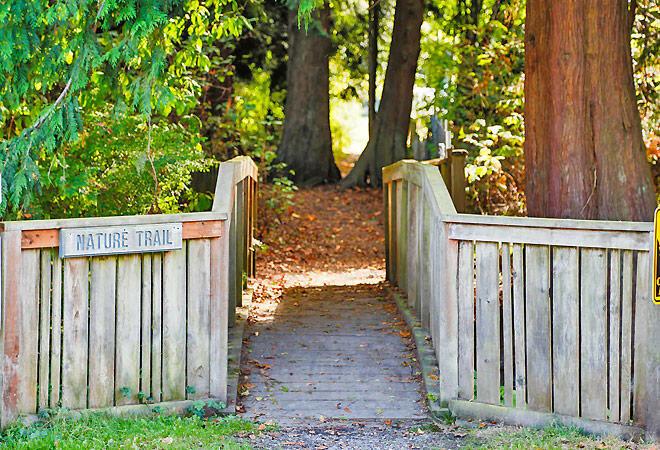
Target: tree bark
(374, 19)
(584, 152)
(388, 142)
(306, 146)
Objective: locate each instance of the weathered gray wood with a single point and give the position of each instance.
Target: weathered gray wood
(127, 356)
(387, 210)
(28, 319)
(507, 325)
(102, 331)
(614, 371)
(565, 330)
(156, 325)
(393, 225)
(466, 320)
(448, 346)
(413, 248)
(174, 327)
(426, 262)
(402, 234)
(146, 326)
(626, 336)
(240, 241)
(198, 312)
(519, 338)
(218, 345)
(593, 333)
(488, 323)
(11, 288)
(538, 330)
(633, 240)
(647, 359)
(44, 329)
(56, 332)
(76, 333)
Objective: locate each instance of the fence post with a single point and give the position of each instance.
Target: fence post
(219, 311)
(457, 183)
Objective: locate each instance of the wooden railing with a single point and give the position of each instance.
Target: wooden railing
(127, 329)
(533, 320)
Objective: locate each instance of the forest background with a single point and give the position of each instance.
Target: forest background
(164, 93)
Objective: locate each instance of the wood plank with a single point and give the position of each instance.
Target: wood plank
(614, 342)
(646, 368)
(202, 229)
(565, 330)
(507, 325)
(394, 218)
(56, 333)
(632, 240)
(198, 316)
(538, 328)
(488, 323)
(402, 234)
(593, 333)
(44, 329)
(413, 249)
(31, 239)
(174, 328)
(466, 320)
(519, 339)
(156, 325)
(218, 345)
(145, 327)
(387, 210)
(447, 305)
(127, 345)
(102, 331)
(626, 347)
(425, 270)
(28, 319)
(76, 333)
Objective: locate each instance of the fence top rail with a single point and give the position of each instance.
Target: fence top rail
(55, 224)
(538, 222)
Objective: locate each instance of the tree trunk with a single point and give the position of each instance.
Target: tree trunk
(388, 143)
(306, 146)
(584, 152)
(374, 19)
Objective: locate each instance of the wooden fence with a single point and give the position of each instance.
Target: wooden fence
(533, 320)
(128, 329)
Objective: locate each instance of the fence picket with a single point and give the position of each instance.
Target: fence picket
(156, 325)
(507, 325)
(174, 328)
(537, 310)
(626, 336)
(614, 341)
(44, 329)
(519, 340)
(565, 328)
(198, 330)
(56, 333)
(488, 323)
(466, 320)
(127, 356)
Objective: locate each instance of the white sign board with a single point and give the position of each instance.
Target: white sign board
(96, 241)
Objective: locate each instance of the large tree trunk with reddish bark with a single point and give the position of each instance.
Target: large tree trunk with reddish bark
(306, 146)
(387, 143)
(584, 153)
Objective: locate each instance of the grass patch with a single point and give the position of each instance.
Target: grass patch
(552, 437)
(103, 431)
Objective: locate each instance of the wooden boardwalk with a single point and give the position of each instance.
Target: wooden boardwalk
(332, 352)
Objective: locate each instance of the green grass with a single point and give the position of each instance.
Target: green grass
(99, 431)
(552, 437)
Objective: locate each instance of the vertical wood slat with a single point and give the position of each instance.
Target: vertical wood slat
(466, 320)
(425, 269)
(156, 325)
(44, 328)
(626, 335)
(394, 220)
(488, 323)
(233, 264)
(565, 330)
(11, 288)
(537, 296)
(507, 325)
(28, 319)
(198, 329)
(145, 326)
(102, 331)
(174, 327)
(127, 356)
(218, 346)
(413, 248)
(387, 187)
(593, 333)
(240, 241)
(646, 356)
(519, 334)
(614, 406)
(76, 333)
(402, 234)
(56, 332)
